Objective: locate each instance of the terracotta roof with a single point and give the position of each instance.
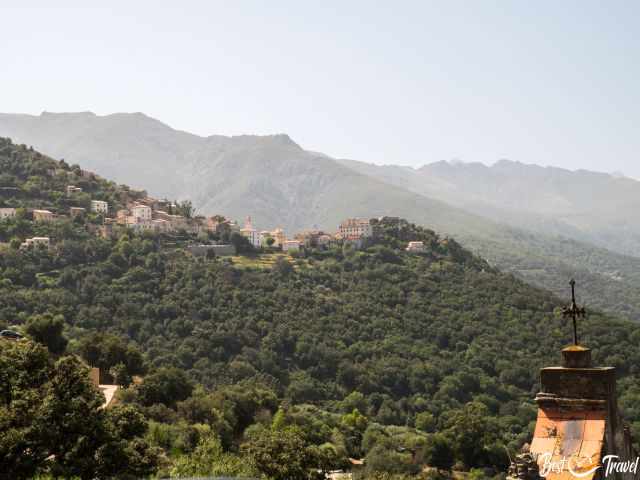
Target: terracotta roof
(577, 436)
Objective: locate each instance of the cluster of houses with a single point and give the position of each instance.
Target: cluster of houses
(150, 214)
(154, 215)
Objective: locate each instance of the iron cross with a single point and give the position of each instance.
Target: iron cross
(574, 311)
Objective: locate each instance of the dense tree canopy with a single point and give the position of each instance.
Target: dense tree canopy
(51, 421)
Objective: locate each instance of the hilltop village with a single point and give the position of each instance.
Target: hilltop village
(142, 213)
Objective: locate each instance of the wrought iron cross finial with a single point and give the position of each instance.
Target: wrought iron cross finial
(574, 311)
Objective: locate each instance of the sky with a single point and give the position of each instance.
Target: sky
(396, 82)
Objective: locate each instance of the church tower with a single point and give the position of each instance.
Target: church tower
(579, 433)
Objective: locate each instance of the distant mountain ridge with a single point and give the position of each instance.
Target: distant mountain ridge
(594, 207)
(278, 183)
(270, 178)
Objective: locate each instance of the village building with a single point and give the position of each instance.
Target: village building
(121, 216)
(87, 174)
(7, 213)
(42, 216)
(72, 189)
(313, 238)
(220, 225)
(178, 222)
(213, 223)
(251, 233)
(160, 225)
(416, 247)
(139, 224)
(41, 242)
(196, 225)
(278, 236)
(354, 228)
(325, 239)
(142, 212)
(291, 246)
(264, 236)
(99, 206)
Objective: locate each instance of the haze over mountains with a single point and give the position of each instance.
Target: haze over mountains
(589, 206)
(517, 216)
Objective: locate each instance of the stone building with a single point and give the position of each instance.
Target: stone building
(42, 216)
(356, 228)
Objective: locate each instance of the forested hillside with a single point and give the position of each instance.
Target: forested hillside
(401, 359)
(278, 183)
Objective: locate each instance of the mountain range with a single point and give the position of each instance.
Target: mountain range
(543, 224)
(594, 207)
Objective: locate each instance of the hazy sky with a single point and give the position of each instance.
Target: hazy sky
(547, 82)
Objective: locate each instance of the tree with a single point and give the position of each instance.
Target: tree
(472, 431)
(24, 371)
(166, 386)
(439, 453)
(240, 242)
(105, 351)
(52, 422)
(425, 421)
(209, 458)
(185, 209)
(282, 267)
(120, 375)
(280, 454)
(47, 330)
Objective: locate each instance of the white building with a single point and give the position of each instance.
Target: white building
(72, 189)
(290, 246)
(139, 224)
(355, 228)
(42, 216)
(251, 233)
(43, 242)
(142, 212)
(99, 206)
(416, 247)
(7, 213)
(279, 237)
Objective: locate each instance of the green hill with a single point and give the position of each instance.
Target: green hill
(491, 211)
(426, 348)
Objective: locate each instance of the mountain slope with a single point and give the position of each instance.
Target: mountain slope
(592, 207)
(278, 183)
(270, 178)
(391, 333)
